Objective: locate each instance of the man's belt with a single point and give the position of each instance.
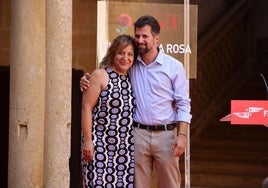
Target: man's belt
(166, 127)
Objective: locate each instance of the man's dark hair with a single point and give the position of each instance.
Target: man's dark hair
(148, 20)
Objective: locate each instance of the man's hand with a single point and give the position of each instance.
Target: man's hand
(84, 82)
(179, 145)
(180, 142)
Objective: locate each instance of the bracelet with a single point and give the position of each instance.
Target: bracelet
(182, 134)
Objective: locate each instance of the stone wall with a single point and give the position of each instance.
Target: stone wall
(84, 35)
(4, 32)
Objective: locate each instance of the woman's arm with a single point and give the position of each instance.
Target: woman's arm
(98, 81)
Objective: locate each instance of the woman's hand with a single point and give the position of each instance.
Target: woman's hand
(88, 150)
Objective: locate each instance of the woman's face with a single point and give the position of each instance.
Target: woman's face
(123, 60)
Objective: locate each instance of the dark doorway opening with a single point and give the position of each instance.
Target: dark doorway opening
(75, 160)
(4, 123)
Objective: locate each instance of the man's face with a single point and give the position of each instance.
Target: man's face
(145, 40)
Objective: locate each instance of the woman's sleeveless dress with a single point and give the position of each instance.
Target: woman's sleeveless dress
(113, 162)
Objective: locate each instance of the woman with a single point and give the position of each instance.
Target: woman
(107, 110)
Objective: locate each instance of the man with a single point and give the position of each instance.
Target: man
(158, 82)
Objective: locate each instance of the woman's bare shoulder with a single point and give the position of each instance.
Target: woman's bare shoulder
(99, 76)
(98, 72)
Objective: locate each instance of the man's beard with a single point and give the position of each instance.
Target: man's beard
(143, 50)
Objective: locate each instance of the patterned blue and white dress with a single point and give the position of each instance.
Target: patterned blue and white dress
(113, 162)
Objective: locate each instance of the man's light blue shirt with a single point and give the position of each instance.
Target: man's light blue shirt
(156, 86)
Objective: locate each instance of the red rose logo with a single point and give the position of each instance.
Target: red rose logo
(125, 21)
